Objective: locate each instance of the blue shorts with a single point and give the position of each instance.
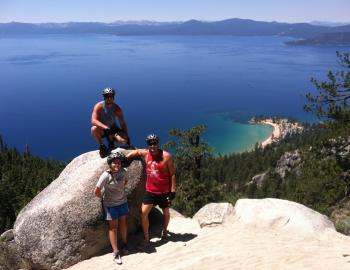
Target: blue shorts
(115, 212)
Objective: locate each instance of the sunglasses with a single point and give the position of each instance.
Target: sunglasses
(152, 143)
(108, 96)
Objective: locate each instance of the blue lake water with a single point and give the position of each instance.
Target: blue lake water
(49, 84)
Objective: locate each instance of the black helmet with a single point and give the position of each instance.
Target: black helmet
(108, 91)
(113, 156)
(152, 137)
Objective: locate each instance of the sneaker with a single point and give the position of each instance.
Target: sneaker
(103, 151)
(117, 258)
(143, 245)
(125, 249)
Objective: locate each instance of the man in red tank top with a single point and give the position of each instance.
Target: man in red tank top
(160, 183)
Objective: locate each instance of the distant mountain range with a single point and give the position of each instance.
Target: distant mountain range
(236, 27)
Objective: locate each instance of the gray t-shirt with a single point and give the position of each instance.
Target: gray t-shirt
(107, 115)
(114, 187)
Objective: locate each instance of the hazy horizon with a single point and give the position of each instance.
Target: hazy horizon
(333, 23)
(107, 11)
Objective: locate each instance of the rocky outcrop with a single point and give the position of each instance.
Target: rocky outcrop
(258, 179)
(281, 214)
(265, 213)
(64, 224)
(287, 162)
(338, 147)
(214, 214)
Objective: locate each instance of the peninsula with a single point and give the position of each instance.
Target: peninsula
(282, 127)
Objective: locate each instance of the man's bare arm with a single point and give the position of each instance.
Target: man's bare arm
(137, 153)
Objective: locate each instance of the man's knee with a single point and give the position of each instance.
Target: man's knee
(95, 130)
(144, 215)
(145, 210)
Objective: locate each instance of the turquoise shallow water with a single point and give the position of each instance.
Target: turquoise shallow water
(227, 136)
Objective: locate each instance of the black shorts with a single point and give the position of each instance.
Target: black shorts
(156, 199)
(115, 129)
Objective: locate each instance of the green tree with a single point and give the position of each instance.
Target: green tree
(22, 177)
(191, 155)
(332, 100)
(190, 150)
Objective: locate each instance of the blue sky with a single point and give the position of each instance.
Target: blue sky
(173, 10)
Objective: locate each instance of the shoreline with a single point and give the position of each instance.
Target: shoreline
(281, 128)
(275, 135)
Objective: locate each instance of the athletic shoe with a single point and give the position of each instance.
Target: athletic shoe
(103, 151)
(117, 258)
(144, 245)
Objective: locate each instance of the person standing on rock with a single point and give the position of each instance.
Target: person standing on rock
(104, 124)
(112, 183)
(160, 184)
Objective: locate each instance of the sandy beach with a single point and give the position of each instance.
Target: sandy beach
(275, 135)
(281, 128)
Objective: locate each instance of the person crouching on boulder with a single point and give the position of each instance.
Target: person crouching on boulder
(111, 189)
(103, 120)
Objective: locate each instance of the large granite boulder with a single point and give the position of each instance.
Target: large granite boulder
(280, 214)
(213, 214)
(64, 223)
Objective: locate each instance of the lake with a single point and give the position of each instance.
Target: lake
(49, 85)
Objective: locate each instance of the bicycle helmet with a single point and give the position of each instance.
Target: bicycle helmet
(152, 137)
(108, 91)
(113, 156)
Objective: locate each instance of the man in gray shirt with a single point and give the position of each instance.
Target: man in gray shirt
(103, 120)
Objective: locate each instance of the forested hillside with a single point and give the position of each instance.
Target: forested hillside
(22, 176)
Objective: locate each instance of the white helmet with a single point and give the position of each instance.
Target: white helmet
(113, 156)
(152, 137)
(108, 91)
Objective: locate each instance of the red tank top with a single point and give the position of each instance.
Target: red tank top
(158, 180)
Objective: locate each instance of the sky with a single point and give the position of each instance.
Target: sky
(35, 11)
